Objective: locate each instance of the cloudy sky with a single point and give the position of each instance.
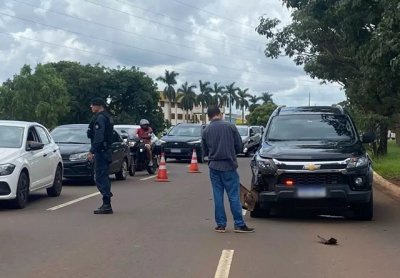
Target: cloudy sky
(209, 40)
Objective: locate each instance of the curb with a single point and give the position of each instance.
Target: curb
(383, 184)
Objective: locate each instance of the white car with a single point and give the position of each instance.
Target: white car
(29, 161)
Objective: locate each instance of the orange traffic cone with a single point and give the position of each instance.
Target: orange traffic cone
(162, 170)
(194, 167)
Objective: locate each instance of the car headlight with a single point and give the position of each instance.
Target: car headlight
(264, 164)
(131, 143)
(355, 162)
(194, 142)
(6, 169)
(79, 156)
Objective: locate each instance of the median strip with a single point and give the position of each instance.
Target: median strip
(73, 201)
(224, 265)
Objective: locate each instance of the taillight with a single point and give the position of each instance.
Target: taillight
(288, 182)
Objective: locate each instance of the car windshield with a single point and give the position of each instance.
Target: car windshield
(243, 130)
(185, 130)
(130, 131)
(11, 136)
(70, 135)
(311, 128)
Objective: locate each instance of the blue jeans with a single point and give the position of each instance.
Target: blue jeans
(229, 181)
(102, 164)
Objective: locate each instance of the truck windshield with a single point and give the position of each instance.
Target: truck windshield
(318, 127)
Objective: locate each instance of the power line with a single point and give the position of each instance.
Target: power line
(211, 13)
(132, 33)
(128, 45)
(228, 79)
(165, 25)
(179, 20)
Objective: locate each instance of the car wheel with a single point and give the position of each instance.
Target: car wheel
(56, 189)
(364, 211)
(132, 168)
(259, 212)
(22, 192)
(200, 157)
(123, 173)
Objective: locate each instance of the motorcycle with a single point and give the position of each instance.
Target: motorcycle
(140, 157)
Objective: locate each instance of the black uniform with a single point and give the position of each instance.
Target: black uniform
(100, 132)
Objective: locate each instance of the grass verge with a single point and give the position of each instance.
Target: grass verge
(389, 165)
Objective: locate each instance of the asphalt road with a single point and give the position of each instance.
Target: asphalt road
(166, 230)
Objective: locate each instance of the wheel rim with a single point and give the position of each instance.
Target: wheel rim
(22, 192)
(124, 169)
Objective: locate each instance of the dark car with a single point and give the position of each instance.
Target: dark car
(251, 138)
(75, 146)
(182, 139)
(313, 157)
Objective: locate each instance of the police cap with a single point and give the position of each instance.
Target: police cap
(97, 101)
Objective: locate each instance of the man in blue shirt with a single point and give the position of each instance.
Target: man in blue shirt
(221, 142)
(100, 133)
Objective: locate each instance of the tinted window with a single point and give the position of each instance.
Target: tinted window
(70, 135)
(184, 130)
(11, 136)
(42, 135)
(131, 132)
(243, 130)
(311, 127)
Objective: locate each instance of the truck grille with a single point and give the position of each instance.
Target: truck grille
(312, 179)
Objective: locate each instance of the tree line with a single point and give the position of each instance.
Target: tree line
(59, 93)
(353, 43)
(227, 96)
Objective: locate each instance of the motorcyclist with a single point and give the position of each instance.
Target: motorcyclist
(144, 133)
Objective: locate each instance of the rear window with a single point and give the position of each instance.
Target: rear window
(310, 128)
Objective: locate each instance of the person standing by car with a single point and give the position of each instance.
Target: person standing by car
(221, 142)
(100, 132)
(144, 133)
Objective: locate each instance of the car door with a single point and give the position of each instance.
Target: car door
(50, 155)
(38, 164)
(118, 152)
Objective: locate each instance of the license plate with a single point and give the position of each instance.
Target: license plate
(175, 150)
(311, 192)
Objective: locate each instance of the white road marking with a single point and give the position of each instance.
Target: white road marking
(224, 265)
(151, 177)
(73, 201)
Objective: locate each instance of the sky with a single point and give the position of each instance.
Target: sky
(208, 40)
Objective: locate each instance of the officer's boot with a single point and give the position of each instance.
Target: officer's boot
(106, 207)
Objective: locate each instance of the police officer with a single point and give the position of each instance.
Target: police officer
(100, 132)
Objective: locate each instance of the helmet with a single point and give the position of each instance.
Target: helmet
(144, 122)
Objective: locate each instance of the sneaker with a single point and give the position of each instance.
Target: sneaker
(220, 229)
(244, 229)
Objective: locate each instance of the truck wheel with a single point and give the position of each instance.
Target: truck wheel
(364, 211)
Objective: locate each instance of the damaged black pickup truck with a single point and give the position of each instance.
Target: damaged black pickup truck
(313, 157)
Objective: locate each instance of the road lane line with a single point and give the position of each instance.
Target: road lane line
(224, 265)
(73, 201)
(151, 177)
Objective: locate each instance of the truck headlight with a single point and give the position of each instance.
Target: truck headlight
(6, 169)
(355, 162)
(265, 164)
(79, 156)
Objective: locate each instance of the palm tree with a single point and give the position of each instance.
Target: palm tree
(242, 101)
(231, 97)
(187, 97)
(204, 98)
(266, 97)
(169, 91)
(253, 102)
(217, 98)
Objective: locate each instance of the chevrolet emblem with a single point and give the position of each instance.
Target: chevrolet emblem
(311, 167)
